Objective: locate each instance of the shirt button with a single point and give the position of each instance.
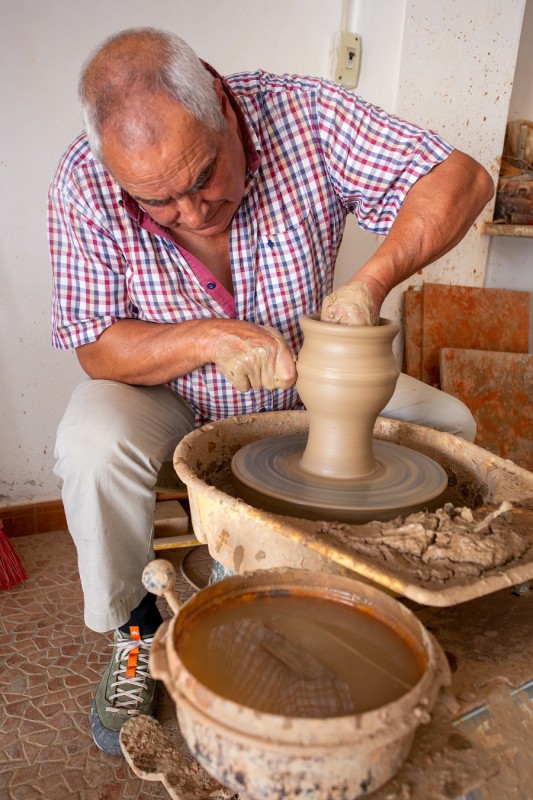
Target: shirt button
(211, 284)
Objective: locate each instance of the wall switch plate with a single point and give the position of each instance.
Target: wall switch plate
(347, 59)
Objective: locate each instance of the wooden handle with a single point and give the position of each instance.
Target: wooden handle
(159, 577)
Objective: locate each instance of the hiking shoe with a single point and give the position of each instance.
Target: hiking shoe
(125, 690)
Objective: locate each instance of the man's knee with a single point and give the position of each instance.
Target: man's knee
(414, 401)
(449, 414)
(90, 432)
(460, 421)
(107, 422)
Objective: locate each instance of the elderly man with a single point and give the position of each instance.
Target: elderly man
(191, 225)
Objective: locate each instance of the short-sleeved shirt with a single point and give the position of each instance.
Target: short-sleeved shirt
(315, 153)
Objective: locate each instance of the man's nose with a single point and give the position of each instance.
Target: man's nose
(192, 210)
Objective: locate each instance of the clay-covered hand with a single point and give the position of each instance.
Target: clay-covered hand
(257, 357)
(350, 304)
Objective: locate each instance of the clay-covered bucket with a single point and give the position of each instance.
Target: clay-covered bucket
(265, 756)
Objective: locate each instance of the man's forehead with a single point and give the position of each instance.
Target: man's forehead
(179, 149)
(194, 184)
(150, 119)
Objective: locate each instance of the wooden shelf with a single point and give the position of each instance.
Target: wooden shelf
(498, 229)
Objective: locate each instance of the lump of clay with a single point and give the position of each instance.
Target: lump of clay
(452, 542)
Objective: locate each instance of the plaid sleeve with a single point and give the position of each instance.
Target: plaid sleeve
(373, 158)
(89, 287)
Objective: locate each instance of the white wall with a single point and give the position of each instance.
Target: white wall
(42, 46)
(381, 26)
(510, 260)
(454, 74)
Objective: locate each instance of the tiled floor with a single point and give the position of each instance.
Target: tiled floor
(49, 665)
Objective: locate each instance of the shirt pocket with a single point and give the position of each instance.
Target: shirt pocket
(293, 271)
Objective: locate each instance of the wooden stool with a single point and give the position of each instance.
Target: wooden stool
(172, 525)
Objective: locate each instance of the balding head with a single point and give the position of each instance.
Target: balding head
(120, 80)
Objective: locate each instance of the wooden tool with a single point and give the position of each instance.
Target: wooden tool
(159, 577)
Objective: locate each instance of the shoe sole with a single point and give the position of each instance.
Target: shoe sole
(108, 741)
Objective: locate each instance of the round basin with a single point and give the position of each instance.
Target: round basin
(326, 754)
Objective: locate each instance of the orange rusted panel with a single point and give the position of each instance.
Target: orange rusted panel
(498, 390)
(471, 318)
(412, 322)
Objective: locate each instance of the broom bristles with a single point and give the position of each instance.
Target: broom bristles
(12, 570)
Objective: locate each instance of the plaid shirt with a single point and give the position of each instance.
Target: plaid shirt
(315, 153)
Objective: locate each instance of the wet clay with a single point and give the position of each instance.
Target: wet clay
(451, 539)
(301, 657)
(153, 756)
(346, 376)
(245, 538)
(449, 544)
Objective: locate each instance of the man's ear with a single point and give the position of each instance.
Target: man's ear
(217, 85)
(221, 94)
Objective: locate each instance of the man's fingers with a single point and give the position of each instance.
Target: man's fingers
(351, 304)
(261, 361)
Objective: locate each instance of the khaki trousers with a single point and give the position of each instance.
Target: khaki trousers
(110, 446)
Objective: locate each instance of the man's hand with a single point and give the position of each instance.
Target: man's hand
(255, 358)
(147, 354)
(351, 304)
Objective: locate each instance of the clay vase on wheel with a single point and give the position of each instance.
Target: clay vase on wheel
(346, 376)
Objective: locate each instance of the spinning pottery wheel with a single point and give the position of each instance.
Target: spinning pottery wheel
(245, 537)
(268, 474)
(346, 375)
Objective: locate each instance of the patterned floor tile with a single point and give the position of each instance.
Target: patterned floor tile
(50, 665)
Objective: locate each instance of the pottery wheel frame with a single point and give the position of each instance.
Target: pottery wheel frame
(267, 474)
(245, 538)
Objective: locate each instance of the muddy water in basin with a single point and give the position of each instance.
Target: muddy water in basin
(299, 657)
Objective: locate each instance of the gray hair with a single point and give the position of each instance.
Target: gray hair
(144, 61)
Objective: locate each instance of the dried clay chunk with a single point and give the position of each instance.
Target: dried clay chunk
(454, 535)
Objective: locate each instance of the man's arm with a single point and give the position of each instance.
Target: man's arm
(436, 214)
(147, 353)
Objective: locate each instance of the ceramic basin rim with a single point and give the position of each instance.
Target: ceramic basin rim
(387, 610)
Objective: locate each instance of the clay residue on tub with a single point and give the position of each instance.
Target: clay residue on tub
(238, 557)
(450, 543)
(221, 540)
(154, 756)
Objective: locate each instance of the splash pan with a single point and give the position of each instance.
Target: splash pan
(421, 557)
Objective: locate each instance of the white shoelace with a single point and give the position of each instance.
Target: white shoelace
(129, 690)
